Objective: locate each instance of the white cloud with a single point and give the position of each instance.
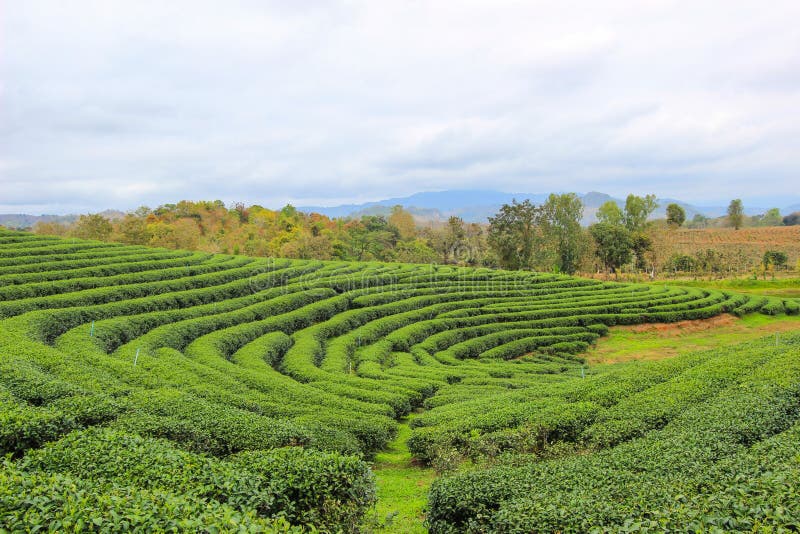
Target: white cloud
(116, 104)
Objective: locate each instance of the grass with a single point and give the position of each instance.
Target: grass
(779, 287)
(402, 487)
(657, 341)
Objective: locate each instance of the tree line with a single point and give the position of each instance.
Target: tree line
(522, 235)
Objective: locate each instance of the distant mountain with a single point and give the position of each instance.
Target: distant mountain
(478, 206)
(22, 220)
(437, 206)
(791, 209)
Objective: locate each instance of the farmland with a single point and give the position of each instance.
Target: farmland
(166, 389)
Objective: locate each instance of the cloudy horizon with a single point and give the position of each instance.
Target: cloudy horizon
(111, 104)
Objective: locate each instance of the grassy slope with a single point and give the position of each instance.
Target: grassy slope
(780, 287)
(655, 341)
(402, 487)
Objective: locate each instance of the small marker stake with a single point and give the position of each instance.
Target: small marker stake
(91, 330)
(776, 339)
(136, 358)
(583, 373)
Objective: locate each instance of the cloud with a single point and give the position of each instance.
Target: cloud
(116, 104)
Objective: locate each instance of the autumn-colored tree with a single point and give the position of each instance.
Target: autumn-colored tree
(50, 228)
(404, 222)
(93, 226)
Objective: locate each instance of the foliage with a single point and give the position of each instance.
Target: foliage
(676, 215)
(736, 213)
(170, 390)
(637, 211)
(614, 245)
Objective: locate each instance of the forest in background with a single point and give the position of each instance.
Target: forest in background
(546, 237)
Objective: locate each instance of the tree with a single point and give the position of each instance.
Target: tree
(613, 245)
(736, 213)
(49, 228)
(610, 213)
(562, 226)
(776, 259)
(513, 234)
(793, 219)
(404, 222)
(676, 215)
(93, 226)
(132, 230)
(637, 210)
(454, 241)
(699, 221)
(641, 244)
(772, 218)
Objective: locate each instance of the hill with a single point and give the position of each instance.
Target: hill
(479, 205)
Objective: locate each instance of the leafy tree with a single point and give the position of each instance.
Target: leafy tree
(562, 226)
(772, 218)
(736, 213)
(132, 230)
(792, 219)
(775, 258)
(93, 226)
(676, 215)
(699, 221)
(513, 234)
(454, 240)
(404, 222)
(641, 244)
(415, 251)
(50, 228)
(681, 262)
(637, 210)
(613, 245)
(610, 213)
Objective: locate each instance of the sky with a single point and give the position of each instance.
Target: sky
(117, 104)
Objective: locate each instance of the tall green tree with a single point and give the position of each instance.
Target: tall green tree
(514, 234)
(613, 245)
(772, 218)
(610, 213)
(562, 227)
(736, 213)
(637, 210)
(676, 215)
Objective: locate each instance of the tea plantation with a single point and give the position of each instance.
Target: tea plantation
(161, 390)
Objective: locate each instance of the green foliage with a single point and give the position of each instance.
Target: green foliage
(610, 213)
(736, 213)
(637, 210)
(676, 215)
(157, 390)
(515, 236)
(614, 245)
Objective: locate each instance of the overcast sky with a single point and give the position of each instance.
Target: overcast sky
(112, 104)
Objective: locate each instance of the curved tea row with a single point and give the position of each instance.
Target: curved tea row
(219, 355)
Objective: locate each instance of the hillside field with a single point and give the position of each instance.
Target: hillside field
(750, 243)
(154, 389)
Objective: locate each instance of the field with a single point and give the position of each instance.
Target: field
(745, 246)
(172, 390)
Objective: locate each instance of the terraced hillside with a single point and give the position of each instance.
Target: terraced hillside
(170, 389)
